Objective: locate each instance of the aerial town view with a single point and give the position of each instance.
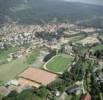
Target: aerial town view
(51, 50)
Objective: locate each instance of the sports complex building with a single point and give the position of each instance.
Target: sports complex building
(36, 77)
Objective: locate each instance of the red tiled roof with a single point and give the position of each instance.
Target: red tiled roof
(86, 97)
(38, 75)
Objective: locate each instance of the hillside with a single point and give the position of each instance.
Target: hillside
(40, 11)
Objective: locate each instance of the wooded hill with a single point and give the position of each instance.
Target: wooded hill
(40, 11)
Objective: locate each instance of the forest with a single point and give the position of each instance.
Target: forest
(46, 11)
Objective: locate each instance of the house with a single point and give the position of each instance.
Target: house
(13, 82)
(100, 78)
(73, 90)
(87, 96)
(4, 91)
(67, 48)
(36, 77)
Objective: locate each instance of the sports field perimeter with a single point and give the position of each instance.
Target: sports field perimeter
(59, 63)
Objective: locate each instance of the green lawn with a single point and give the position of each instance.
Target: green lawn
(59, 63)
(4, 53)
(12, 69)
(68, 97)
(32, 56)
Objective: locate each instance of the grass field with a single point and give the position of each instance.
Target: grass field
(12, 69)
(59, 63)
(32, 56)
(76, 39)
(98, 47)
(4, 53)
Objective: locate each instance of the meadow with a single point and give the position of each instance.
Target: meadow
(12, 69)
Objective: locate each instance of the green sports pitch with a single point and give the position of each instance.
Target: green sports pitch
(59, 63)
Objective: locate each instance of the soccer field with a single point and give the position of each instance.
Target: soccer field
(59, 63)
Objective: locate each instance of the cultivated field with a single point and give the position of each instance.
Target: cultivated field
(59, 63)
